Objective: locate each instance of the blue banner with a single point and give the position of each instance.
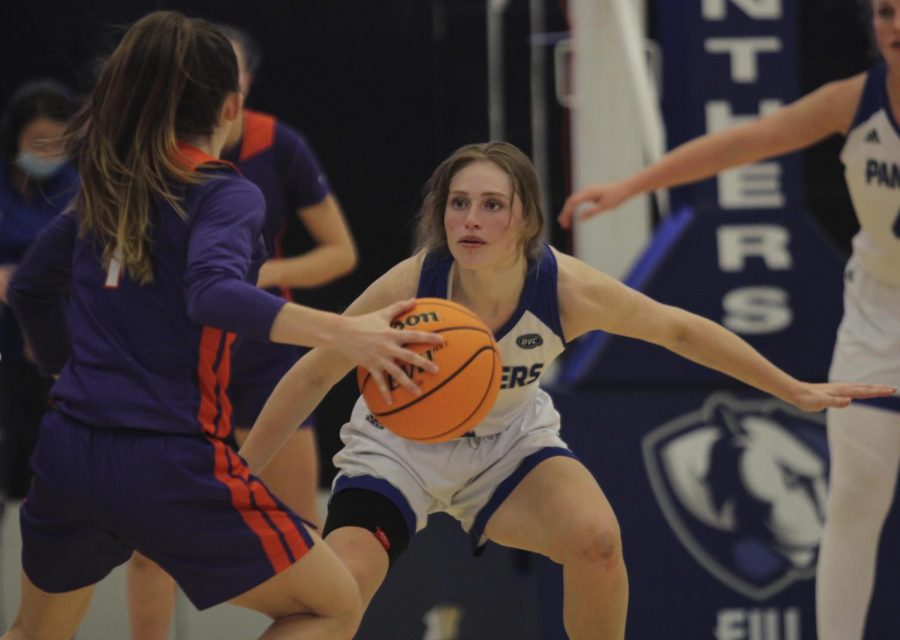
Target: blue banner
(726, 61)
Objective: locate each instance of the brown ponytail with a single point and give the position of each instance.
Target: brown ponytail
(166, 81)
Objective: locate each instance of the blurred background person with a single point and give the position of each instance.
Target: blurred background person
(36, 183)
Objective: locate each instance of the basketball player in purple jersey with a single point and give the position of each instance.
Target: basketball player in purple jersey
(512, 480)
(279, 161)
(864, 440)
(153, 270)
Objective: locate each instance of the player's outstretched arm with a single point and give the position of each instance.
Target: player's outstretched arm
(826, 111)
(590, 300)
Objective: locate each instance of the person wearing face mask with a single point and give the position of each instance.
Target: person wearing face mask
(36, 183)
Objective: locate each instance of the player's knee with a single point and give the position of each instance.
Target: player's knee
(593, 544)
(349, 612)
(372, 511)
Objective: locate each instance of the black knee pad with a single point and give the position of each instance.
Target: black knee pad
(372, 511)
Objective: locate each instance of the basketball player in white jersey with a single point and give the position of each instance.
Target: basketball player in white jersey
(512, 480)
(864, 440)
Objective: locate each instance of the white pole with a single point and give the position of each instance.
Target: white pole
(496, 77)
(606, 136)
(643, 89)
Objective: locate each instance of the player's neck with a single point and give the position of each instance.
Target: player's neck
(491, 293)
(234, 133)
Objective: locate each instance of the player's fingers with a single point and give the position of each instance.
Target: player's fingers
(836, 402)
(398, 375)
(862, 391)
(573, 201)
(874, 391)
(426, 337)
(383, 387)
(415, 359)
(565, 216)
(394, 310)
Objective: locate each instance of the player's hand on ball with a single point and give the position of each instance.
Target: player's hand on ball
(371, 342)
(829, 395)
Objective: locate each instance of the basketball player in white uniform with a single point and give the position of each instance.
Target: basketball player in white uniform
(513, 480)
(864, 440)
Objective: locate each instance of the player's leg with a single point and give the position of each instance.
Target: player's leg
(864, 444)
(315, 598)
(559, 510)
(151, 599)
(293, 474)
(48, 616)
(368, 533)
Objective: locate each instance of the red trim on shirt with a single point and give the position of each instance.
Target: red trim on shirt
(280, 538)
(258, 134)
(214, 412)
(194, 158)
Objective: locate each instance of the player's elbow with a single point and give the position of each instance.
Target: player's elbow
(348, 259)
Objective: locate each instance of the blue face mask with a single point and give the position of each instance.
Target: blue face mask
(38, 168)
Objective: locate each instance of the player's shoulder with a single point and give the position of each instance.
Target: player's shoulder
(287, 136)
(569, 268)
(846, 90)
(225, 190)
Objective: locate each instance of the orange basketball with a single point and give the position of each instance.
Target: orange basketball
(456, 398)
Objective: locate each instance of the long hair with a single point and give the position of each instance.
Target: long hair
(166, 81)
(429, 233)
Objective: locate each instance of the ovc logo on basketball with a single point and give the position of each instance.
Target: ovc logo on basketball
(743, 485)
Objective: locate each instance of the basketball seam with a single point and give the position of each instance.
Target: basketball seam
(443, 383)
(474, 411)
(441, 330)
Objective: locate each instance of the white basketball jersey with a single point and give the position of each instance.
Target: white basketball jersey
(871, 157)
(528, 342)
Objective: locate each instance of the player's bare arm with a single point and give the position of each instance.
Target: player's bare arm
(590, 300)
(827, 111)
(333, 256)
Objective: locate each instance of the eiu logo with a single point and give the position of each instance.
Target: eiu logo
(529, 341)
(743, 486)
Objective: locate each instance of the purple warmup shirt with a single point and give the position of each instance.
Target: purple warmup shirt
(281, 163)
(155, 356)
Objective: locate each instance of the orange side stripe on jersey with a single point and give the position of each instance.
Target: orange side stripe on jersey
(223, 375)
(268, 536)
(279, 519)
(258, 134)
(206, 377)
(213, 381)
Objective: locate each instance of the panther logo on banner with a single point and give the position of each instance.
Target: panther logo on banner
(743, 483)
